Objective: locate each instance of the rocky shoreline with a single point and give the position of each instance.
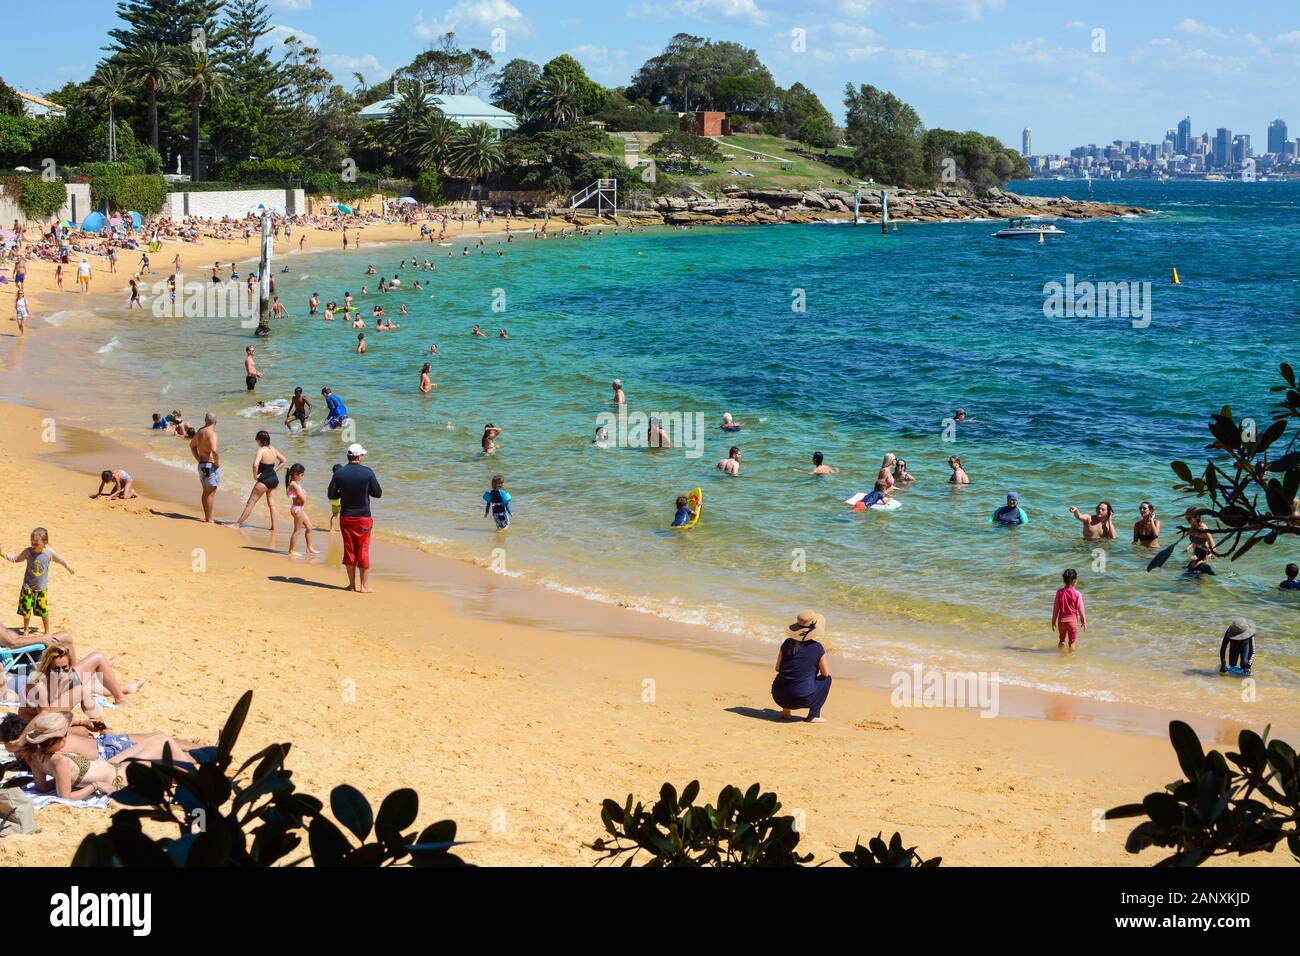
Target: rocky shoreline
(771, 206)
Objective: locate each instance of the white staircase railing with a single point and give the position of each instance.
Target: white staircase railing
(604, 191)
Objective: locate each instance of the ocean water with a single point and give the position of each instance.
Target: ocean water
(817, 338)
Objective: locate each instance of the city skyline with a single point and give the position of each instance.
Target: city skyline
(963, 64)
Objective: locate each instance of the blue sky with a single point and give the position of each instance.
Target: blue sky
(992, 65)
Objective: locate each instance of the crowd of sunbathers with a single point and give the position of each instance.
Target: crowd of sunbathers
(57, 722)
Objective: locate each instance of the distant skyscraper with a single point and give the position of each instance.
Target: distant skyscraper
(1241, 148)
(1027, 142)
(1222, 148)
(1277, 136)
(1183, 140)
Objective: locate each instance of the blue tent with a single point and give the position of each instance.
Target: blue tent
(136, 222)
(94, 222)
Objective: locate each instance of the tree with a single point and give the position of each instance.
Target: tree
(886, 136)
(401, 127)
(556, 102)
(1227, 804)
(18, 138)
(173, 23)
(1246, 505)
(476, 153)
(110, 86)
(200, 78)
(434, 137)
(817, 132)
(11, 104)
(794, 106)
(154, 65)
(445, 68)
(687, 74)
(691, 148)
(514, 87)
(587, 94)
(980, 161)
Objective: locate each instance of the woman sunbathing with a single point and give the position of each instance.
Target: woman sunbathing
(57, 683)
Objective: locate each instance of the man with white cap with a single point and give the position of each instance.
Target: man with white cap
(1238, 645)
(353, 486)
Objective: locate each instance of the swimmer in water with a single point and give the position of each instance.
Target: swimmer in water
(477, 333)
(819, 466)
(1100, 524)
(901, 475)
(361, 343)
(1146, 530)
(958, 476)
(502, 334)
(602, 438)
(729, 424)
(433, 349)
(426, 383)
(489, 443)
(619, 397)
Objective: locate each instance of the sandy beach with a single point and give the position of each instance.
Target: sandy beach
(516, 732)
(514, 728)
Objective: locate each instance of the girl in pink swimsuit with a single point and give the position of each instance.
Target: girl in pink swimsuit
(297, 507)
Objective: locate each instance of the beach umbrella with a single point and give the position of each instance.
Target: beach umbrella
(408, 201)
(66, 224)
(346, 209)
(94, 222)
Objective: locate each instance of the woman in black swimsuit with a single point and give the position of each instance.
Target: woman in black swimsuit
(265, 480)
(1146, 531)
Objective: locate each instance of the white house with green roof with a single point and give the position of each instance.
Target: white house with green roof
(462, 110)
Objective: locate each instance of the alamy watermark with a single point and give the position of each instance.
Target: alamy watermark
(624, 429)
(1101, 300)
(928, 687)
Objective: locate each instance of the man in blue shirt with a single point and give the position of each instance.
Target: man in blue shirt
(336, 411)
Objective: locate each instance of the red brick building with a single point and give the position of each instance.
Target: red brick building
(705, 123)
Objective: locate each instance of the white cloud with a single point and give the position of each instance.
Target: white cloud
(278, 33)
(587, 53)
(746, 11)
(291, 6)
(342, 65)
(923, 13)
(468, 14)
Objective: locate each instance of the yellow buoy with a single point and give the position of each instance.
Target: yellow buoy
(1174, 277)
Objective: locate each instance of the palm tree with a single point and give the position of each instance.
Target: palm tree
(404, 118)
(434, 136)
(556, 101)
(475, 153)
(110, 87)
(200, 78)
(154, 65)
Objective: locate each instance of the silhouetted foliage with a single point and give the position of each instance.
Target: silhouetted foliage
(1239, 473)
(743, 829)
(1235, 803)
(893, 854)
(232, 819)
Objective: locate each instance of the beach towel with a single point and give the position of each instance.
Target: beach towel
(42, 800)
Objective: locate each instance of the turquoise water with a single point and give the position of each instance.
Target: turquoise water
(897, 331)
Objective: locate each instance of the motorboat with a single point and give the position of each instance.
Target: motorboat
(1020, 228)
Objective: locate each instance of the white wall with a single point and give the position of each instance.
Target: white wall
(236, 204)
(77, 201)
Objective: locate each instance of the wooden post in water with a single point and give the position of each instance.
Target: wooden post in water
(264, 279)
(884, 213)
(855, 206)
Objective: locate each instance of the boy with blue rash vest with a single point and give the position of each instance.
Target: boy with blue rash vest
(337, 412)
(1010, 514)
(496, 502)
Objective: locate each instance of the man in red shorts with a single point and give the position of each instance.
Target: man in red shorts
(353, 486)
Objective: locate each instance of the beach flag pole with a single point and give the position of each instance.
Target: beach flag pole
(264, 279)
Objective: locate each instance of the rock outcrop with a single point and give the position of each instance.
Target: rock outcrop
(765, 206)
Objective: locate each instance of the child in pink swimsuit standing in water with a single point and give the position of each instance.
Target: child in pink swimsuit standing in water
(1067, 611)
(298, 508)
